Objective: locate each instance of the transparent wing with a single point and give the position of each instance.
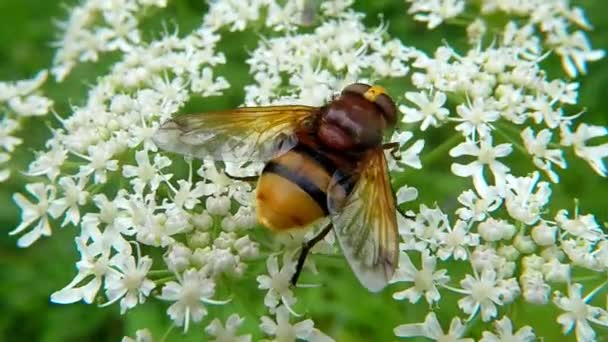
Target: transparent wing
(242, 134)
(362, 209)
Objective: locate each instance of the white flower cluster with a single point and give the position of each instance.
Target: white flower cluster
(339, 52)
(154, 227)
(18, 100)
(95, 27)
(553, 18)
(503, 230)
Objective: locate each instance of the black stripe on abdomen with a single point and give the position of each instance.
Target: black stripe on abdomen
(302, 182)
(327, 164)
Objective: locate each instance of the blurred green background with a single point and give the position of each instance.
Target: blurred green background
(346, 311)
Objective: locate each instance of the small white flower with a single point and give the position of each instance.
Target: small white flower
(543, 157)
(406, 194)
(95, 262)
(130, 284)
(425, 280)
(583, 226)
(410, 156)
(435, 12)
(504, 328)
(555, 271)
(7, 141)
(431, 328)
(75, 196)
(476, 117)
(146, 173)
(49, 162)
(99, 162)
(478, 208)
(486, 156)
(574, 50)
(429, 111)
(227, 333)
(534, 289)
(277, 282)
(30, 213)
(190, 294)
(427, 225)
(187, 195)
(578, 314)
(454, 242)
(283, 331)
(492, 230)
(544, 234)
(593, 155)
(483, 294)
(141, 335)
(542, 110)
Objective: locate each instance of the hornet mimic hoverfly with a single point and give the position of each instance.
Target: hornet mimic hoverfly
(321, 161)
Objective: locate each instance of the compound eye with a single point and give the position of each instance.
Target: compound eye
(357, 88)
(388, 107)
(378, 96)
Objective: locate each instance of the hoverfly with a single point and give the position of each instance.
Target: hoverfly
(321, 161)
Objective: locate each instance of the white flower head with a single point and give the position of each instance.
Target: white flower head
(483, 294)
(504, 332)
(578, 314)
(430, 111)
(486, 156)
(228, 332)
(284, 331)
(189, 296)
(425, 280)
(36, 212)
(277, 282)
(523, 203)
(431, 328)
(129, 284)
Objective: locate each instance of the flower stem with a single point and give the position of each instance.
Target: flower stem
(167, 333)
(160, 272)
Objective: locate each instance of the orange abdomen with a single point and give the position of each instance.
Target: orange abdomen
(292, 189)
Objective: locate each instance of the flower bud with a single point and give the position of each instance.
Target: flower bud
(198, 240)
(508, 252)
(494, 230)
(219, 206)
(544, 235)
(178, 258)
(524, 244)
(202, 221)
(246, 248)
(555, 271)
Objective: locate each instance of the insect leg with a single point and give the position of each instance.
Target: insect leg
(306, 247)
(394, 147)
(244, 179)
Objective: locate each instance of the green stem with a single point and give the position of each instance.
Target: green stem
(160, 272)
(167, 333)
(164, 280)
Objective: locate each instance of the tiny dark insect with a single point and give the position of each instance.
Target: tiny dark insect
(321, 161)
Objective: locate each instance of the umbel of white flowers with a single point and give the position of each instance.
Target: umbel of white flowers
(495, 99)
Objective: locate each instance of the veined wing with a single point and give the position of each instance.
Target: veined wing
(363, 212)
(242, 134)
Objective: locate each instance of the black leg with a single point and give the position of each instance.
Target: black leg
(306, 247)
(394, 147)
(244, 179)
